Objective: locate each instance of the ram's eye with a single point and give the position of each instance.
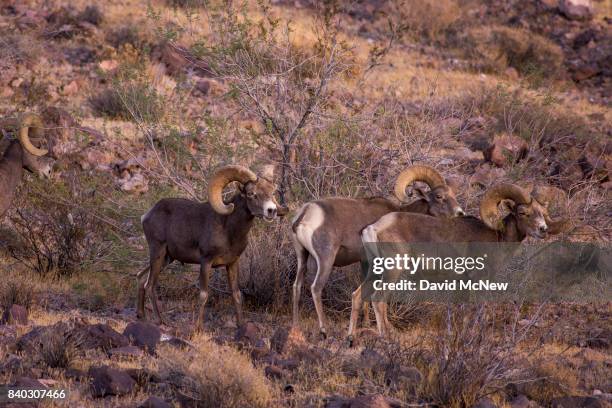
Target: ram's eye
(439, 197)
(522, 212)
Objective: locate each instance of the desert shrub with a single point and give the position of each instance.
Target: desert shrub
(268, 267)
(498, 47)
(129, 100)
(91, 14)
(468, 358)
(56, 236)
(18, 49)
(16, 293)
(215, 376)
(56, 349)
(428, 19)
(126, 34)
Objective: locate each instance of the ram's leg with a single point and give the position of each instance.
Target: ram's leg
(205, 268)
(158, 262)
(302, 261)
(232, 277)
(142, 278)
(325, 262)
(356, 304)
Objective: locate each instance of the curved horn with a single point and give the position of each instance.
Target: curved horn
(31, 122)
(505, 191)
(422, 173)
(222, 178)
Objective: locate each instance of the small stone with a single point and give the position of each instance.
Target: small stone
(275, 372)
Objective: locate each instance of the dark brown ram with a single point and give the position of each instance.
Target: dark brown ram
(211, 234)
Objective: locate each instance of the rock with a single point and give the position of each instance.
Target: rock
(95, 158)
(363, 401)
(154, 402)
(144, 335)
(286, 340)
(247, 334)
(108, 65)
(484, 403)
(521, 401)
(100, 336)
(125, 352)
(595, 166)
(10, 363)
(26, 382)
(506, 149)
(369, 361)
(203, 86)
(576, 9)
(402, 377)
(260, 350)
(142, 376)
(583, 72)
(275, 372)
(16, 314)
(110, 381)
(577, 402)
(71, 89)
(135, 184)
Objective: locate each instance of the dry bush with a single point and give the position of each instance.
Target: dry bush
(129, 100)
(56, 235)
(16, 293)
(214, 375)
(57, 350)
(428, 19)
(18, 49)
(498, 47)
(469, 358)
(126, 34)
(268, 265)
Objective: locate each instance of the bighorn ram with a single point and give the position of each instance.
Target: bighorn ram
(210, 234)
(327, 232)
(22, 154)
(528, 216)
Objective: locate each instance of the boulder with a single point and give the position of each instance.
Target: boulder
(110, 381)
(154, 402)
(506, 149)
(402, 377)
(102, 336)
(521, 401)
(286, 340)
(576, 9)
(144, 335)
(16, 314)
(26, 382)
(247, 334)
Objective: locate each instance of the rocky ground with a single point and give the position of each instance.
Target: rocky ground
(134, 110)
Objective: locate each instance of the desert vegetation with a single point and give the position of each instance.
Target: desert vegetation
(145, 101)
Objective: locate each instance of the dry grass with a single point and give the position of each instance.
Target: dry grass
(499, 47)
(215, 375)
